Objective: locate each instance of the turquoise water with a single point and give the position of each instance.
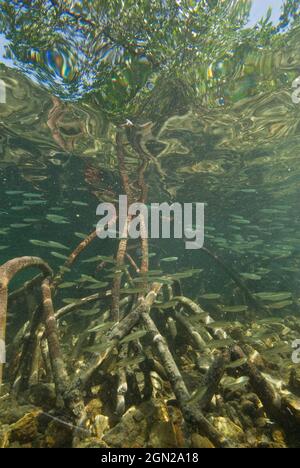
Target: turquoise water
(205, 103)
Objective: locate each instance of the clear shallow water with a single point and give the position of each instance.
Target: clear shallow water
(212, 111)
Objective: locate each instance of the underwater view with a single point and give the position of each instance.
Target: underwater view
(150, 224)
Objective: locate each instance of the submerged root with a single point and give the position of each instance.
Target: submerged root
(7, 273)
(98, 395)
(57, 363)
(276, 406)
(160, 369)
(191, 413)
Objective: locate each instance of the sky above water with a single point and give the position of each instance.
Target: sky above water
(260, 7)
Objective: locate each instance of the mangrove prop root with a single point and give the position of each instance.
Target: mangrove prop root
(150, 364)
(7, 273)
(128, 277)
(29, 346)
(122, 167)
(204, 316)
(132, 263)
(31, 304)
(58, 367)
(122, 388)
(74, 255)
(91, 337)
(15, 354)
(197, 339)
(271, 400)
(180, 318)
(118, 332)
(142, 185)
(213, 378)
(174, 375)
(78, 251)
(191, 413)
(80, 303)
(122, 250)
(120, 260)
(195, 308)
(46, 359)
(36, 358)
(144, 234)
(145, 249)
(26, 289)
(22, 374)
(172, 329)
